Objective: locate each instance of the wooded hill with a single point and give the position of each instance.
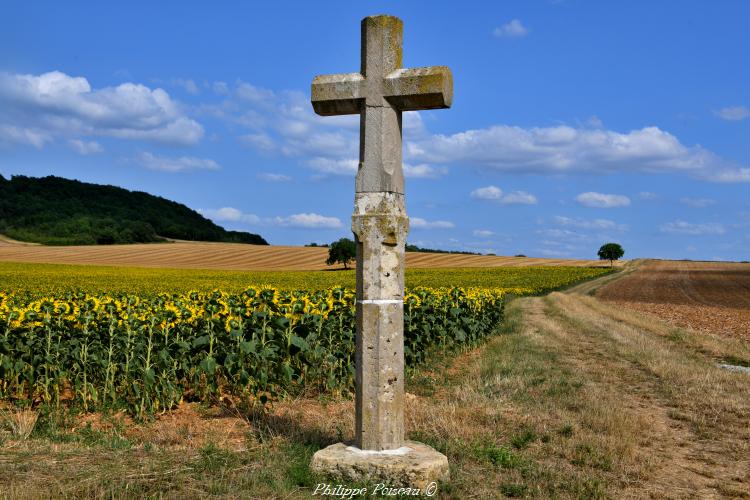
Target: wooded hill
(57, 211)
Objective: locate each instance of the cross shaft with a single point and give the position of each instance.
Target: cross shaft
(380, 92)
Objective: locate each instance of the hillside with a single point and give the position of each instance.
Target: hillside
(56, 211)
(196, 255)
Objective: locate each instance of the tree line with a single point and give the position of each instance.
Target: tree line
(57, 211)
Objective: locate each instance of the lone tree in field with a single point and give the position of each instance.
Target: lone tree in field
(341, 251)
(611, 252)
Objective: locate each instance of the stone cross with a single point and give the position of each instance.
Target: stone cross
(380, 92)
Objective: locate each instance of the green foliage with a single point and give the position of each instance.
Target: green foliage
(610, 252)
(57, 211)
(147, 354)
(342, 251)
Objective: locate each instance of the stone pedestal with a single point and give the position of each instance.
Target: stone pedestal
(414, 465)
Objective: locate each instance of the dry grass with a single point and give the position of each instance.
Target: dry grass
(230, 256)
(576, 398)
(20, 422)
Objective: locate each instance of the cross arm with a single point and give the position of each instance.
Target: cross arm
(420, 88)
(340, 94)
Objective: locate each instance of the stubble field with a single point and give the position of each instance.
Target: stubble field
(705, 296)
(237, 257)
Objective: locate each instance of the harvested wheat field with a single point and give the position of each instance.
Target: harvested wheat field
(232, 256)
(706, 296)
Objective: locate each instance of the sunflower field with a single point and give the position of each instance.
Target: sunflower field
(147, 351)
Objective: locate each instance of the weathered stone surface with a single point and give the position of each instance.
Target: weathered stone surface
(416, 465)
(380, 92)
(419, 88)
(380, 226)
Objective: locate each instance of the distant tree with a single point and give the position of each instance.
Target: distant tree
(520, 255)
(342, 251)
(611, 252)
(313, 244)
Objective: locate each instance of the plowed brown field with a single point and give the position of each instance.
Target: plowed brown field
(706, 296)
(229, 256)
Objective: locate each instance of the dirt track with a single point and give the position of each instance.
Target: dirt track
(705, 296)
(229, 256)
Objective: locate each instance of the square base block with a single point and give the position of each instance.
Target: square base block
(414, 465)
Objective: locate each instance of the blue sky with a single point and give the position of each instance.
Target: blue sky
(573, 123)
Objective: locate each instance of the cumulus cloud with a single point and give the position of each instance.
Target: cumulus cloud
(601, 200)
(512, 29)
(487, 193)
(733, 113)
(697, 202)
(648, 195)
(423, 171)
(518, 198)
(63, 105)
(565, 149)
(10, 134)
(187, 84)
(419, 223)
(334, 166)
(682, 227)
(181, 164)
(494, 193)
(302, 220)
(261, 141)
(229, 214)
(483, 233)
(731, 175)
(588, 223)
(269, 177)
(308, 220)
(85, 147)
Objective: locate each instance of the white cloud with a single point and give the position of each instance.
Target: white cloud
(251, 93)
(85, 147)
(518, 198)
(601, 200)
(344, 166)
(267, 176)
(187, 84)
(229, 214)
(601, 224)
(423, 171)
(733, 113)
(731, 175)
(302, 220)
(182, 164)
(564, 149)
(259, 141)
(419, 223)
(487, 193)
(483, 233)
(512, 29)
(682, 227)
(648, 195)
(494, 193)
(697, 202)
(62, 105)
(10, 134)
(308, 220)
(220, 88)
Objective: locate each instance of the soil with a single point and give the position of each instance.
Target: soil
(703, 296)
